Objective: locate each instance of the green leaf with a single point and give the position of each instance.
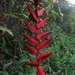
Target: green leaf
(50, 0)
(7, 30)
(71, 18)
(15, 15)
(3, 73)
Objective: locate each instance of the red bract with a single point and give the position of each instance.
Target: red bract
(37, 2)
(44, 44)
(44, 56)
(42, 23)
(35, 64)
(31, 40)
(40, 12)
(32, 12)
(38, 23)
(39, 71)
(30, 27)
(43, 35)
(31, 50)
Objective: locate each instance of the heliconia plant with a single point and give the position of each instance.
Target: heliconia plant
(35, 16)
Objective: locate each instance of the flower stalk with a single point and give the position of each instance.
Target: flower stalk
(39, 23)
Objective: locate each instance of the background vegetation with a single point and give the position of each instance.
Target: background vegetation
(13, 54)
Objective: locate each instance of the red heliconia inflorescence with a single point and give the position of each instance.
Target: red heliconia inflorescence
(38, 36)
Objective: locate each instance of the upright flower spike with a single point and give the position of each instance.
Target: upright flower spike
(35, 42)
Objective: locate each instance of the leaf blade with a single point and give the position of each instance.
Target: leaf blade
(7, 30)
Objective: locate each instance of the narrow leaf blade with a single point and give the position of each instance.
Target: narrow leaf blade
(7, 30)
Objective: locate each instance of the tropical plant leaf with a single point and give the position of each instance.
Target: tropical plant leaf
(7, 30)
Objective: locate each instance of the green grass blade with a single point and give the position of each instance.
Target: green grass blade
(7, 30)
